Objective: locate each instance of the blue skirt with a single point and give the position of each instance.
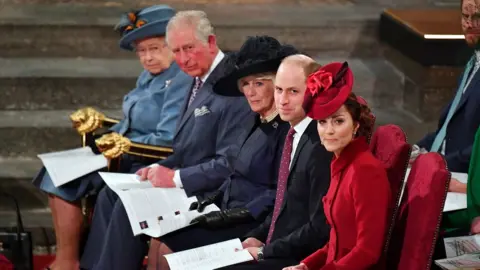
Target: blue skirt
(72, 191)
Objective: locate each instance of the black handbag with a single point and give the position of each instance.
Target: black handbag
(16, 243)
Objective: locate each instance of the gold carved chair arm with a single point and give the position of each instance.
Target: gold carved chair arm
(113, 145)
(88, 120)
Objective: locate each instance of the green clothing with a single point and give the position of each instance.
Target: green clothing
(461, 219)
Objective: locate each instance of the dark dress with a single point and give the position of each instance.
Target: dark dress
(253, 185)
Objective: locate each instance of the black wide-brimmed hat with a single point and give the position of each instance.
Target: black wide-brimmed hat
(258, 54)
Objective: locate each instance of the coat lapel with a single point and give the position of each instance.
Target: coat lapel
(184, 106)
(203, 93)
(312, 127)
(301, 144)
(249, 130)
(470, 88)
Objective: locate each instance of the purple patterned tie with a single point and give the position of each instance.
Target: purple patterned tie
(196, 87)
(283, 173)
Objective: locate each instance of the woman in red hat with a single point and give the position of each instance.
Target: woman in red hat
(359, 194)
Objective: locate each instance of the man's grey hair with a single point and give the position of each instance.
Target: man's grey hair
(192, 18)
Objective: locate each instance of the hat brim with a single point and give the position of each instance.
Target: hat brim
(153, 29)
(228, 85)
(325, 110)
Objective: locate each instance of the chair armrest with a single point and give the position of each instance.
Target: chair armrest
(150, 151)
(113, 145)
(88, 120)
(91, 136)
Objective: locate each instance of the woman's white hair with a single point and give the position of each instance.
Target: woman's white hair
(192, 18)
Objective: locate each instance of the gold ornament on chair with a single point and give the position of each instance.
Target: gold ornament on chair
(112, 145)
(87, 120)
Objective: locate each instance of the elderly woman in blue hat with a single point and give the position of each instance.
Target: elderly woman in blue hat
(150, 113)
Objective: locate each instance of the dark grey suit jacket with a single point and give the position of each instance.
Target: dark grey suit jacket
(207, 137)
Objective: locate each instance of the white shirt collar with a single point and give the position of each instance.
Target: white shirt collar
(477, 56)
(302, 126)
(218, 58)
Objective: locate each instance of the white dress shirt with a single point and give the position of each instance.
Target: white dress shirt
(299, 130)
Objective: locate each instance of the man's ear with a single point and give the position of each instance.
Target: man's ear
(212, 42)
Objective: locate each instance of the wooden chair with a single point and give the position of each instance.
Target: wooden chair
(416, 226)
(389, 145)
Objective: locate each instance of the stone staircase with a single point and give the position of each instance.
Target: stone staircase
(57, 56)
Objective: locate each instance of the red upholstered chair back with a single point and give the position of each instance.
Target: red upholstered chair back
(389, 145)
(419, 215)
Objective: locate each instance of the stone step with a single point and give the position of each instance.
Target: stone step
(27, 131)
(70, 30)
(65, 83)
(137, 3)
(72, 83)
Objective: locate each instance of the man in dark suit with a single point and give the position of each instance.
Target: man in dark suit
(297, 226)
(204, 145)
(461, 118)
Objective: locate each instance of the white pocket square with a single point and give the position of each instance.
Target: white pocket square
(201, 111)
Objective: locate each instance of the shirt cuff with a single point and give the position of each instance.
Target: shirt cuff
(177, 180)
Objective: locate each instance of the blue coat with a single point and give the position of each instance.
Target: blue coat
(151, 110)
(206, 141)
(461, 128)
(254, 183)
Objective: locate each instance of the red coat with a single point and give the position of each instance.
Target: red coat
(356, 207)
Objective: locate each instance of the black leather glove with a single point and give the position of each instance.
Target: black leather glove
(221, 219)
(216, 198)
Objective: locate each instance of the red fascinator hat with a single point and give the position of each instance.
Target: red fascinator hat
(327, 90)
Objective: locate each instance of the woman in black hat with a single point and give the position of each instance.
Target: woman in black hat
(248, 195)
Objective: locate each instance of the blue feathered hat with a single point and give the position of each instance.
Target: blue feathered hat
(148, 22)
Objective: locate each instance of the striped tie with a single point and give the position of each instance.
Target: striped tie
(196, 87)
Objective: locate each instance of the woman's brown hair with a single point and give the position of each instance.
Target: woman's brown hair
(361, 114)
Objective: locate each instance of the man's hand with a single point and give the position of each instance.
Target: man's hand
(416, 151)
(475, 227)
(297, 267)
(252, 242)
(254, 252)
(143, 173)
(159, 176)
(457, 186)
